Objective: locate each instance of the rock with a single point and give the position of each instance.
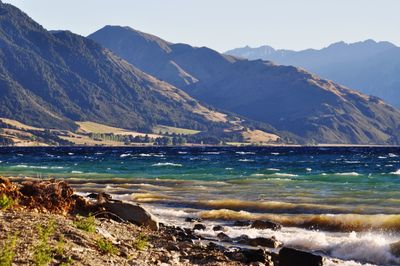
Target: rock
(294, 257)
(263, 242)
(223, 237)
(131, 213)
(253, 255)
(199, 227)
(258, 224)
(395, 248)
(218, 228)
(242, 223)
(193, 220)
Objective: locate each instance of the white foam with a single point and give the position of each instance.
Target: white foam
(168, 164)
(212, 152)
(245, 160)
(182, 152)
(245, 152)
(145, 155)
(396, 173)
(273, 169)
(125, 155)
(274, 153)
(285, 175)
(70, 153)
(308, 169)
(76, 172)
(392, 155)
(348, 174)
(352, 248)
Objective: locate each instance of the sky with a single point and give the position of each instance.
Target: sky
(227, 24)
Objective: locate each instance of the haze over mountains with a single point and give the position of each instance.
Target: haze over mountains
(288, 98)
(370, 67)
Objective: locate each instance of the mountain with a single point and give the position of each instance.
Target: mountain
(370, 67)
(52, 79)
(290, 99)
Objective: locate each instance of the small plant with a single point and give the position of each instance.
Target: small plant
(42, 254)
(6, 202)
(106, 246)
(87, 224)
(7, 252)
(141, 242)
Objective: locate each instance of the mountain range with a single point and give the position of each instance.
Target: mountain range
(123, 80)
(52, 79)
(312, 109)
(369, 66)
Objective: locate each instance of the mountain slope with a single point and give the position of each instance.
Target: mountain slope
(370, 67)
(288, 98)
(51, 79)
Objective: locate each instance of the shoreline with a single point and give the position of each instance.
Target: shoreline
(193, 241)
(218, 146)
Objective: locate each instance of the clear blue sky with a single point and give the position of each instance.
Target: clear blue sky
(226, 24)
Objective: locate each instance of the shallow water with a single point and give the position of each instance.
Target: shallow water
(342, 202)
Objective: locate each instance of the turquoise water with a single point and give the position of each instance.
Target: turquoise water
(323, 194)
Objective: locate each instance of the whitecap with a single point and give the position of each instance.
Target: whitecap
(308, 169)
(228, 168)
(76, 172)
(396, 173)
(273, 169)
(144, 155)
(274, 153)
(286, 175)
(70, 153)
(245, 152)
(348, 174)
(392, 155)
(212, 152)
(168, 164)
(182, 152)
(125, 155)
(245, 160)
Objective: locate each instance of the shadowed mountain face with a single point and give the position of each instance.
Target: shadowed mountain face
(289, 98)
(50, 79)
(370, 67)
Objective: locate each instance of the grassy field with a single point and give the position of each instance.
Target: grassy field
(165, 129)
(92, 127)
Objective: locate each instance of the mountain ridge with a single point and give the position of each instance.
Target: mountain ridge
(51, 79)
(288, 98)
(368, 66)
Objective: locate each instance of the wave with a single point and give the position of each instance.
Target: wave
(396, 172)
(245, 152)
(327, 222)
(348, 174)
(125, 155)
(270, 206)
(273, 169)
(285, 175)
(212, 152)
(245, 160)
(392, 155)
(168, 164)
(76, 172)
(145, 155)
(149, 197)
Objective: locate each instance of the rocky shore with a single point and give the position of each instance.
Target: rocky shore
(45, 223)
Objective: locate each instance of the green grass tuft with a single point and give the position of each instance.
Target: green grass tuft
(6, 202)
(141, 242)
(87, 224)
(7, 252)
(106, 246)
(42, 254)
